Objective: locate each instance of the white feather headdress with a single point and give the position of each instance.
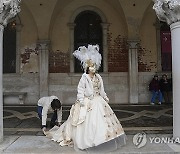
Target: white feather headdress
(88, 56)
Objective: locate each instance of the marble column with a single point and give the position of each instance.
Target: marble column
(133, 71)
(18, 44)
(43, 48)
(1, 83)
(158, 42)
(71, 50)
(169, 11)
(175, 35)
(105, 48)
(8, 9)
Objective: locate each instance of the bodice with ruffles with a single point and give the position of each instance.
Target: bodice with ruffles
(96, 85)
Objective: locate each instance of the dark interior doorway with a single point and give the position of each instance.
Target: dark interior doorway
(88, 30)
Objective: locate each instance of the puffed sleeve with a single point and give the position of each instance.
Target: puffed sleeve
(81, 89)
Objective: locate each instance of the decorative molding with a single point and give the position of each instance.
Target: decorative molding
(43, 44)
(89, 8)
(8, 10)
(133, 44)
(71, 26)
(1, 28)
(167, 10)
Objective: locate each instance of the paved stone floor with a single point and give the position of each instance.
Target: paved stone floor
(21, 144)
(23, 120)
(23, 134)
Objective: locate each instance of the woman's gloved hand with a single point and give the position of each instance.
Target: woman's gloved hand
(81, 103)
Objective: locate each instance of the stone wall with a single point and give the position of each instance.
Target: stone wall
(117, 54)
(64, 85)
(59, 62)
(28, 82)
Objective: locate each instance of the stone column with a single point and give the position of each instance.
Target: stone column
(175, 35)
(105, 48)
(133, 71)
(71, 32)
(8, 9)
(158, 42)
(1, 83)
(169, 11)
(43, 48)
(18, 45)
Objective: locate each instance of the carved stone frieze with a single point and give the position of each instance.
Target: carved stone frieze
(8, 9)
(167, 10)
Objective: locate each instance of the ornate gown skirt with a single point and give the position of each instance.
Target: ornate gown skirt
(93, 127)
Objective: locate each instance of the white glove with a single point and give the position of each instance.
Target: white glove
(106, 99)
(59, 124)
(81, 103)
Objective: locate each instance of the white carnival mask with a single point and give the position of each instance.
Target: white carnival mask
(92, 69)
(91, 65)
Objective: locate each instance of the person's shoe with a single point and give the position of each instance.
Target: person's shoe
(152, 103)
(159, 103)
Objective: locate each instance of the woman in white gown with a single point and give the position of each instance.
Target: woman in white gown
(92, 124)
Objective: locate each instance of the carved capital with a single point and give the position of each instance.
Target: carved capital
(8, 10)
(43, 44)
(1, 28)
(167, 10)
(133, 44)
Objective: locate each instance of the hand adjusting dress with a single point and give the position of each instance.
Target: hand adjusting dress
(92, 126)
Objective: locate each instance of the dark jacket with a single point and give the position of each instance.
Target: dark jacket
(165, 85)
(154, 85)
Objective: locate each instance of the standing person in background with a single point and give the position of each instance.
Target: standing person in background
(166, 88)
(46, 104)
(154, 87)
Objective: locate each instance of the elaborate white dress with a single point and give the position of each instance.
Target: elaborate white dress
(93, 126)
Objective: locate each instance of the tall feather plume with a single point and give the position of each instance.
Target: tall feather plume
(91, 53)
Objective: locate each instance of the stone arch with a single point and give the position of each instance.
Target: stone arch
(89, 8)
(157, 25)
(148, 49)
(104, 24)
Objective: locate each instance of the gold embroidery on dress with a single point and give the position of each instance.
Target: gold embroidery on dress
(96, 85)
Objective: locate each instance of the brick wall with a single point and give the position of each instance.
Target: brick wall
(142, 65)
(26, 55)
(59, 62)
(117, 54)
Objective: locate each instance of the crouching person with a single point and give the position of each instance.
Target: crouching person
(46, 104)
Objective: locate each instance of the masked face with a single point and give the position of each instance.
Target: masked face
(92, 69)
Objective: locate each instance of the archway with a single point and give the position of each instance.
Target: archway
(104, 25)
(88, 30)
